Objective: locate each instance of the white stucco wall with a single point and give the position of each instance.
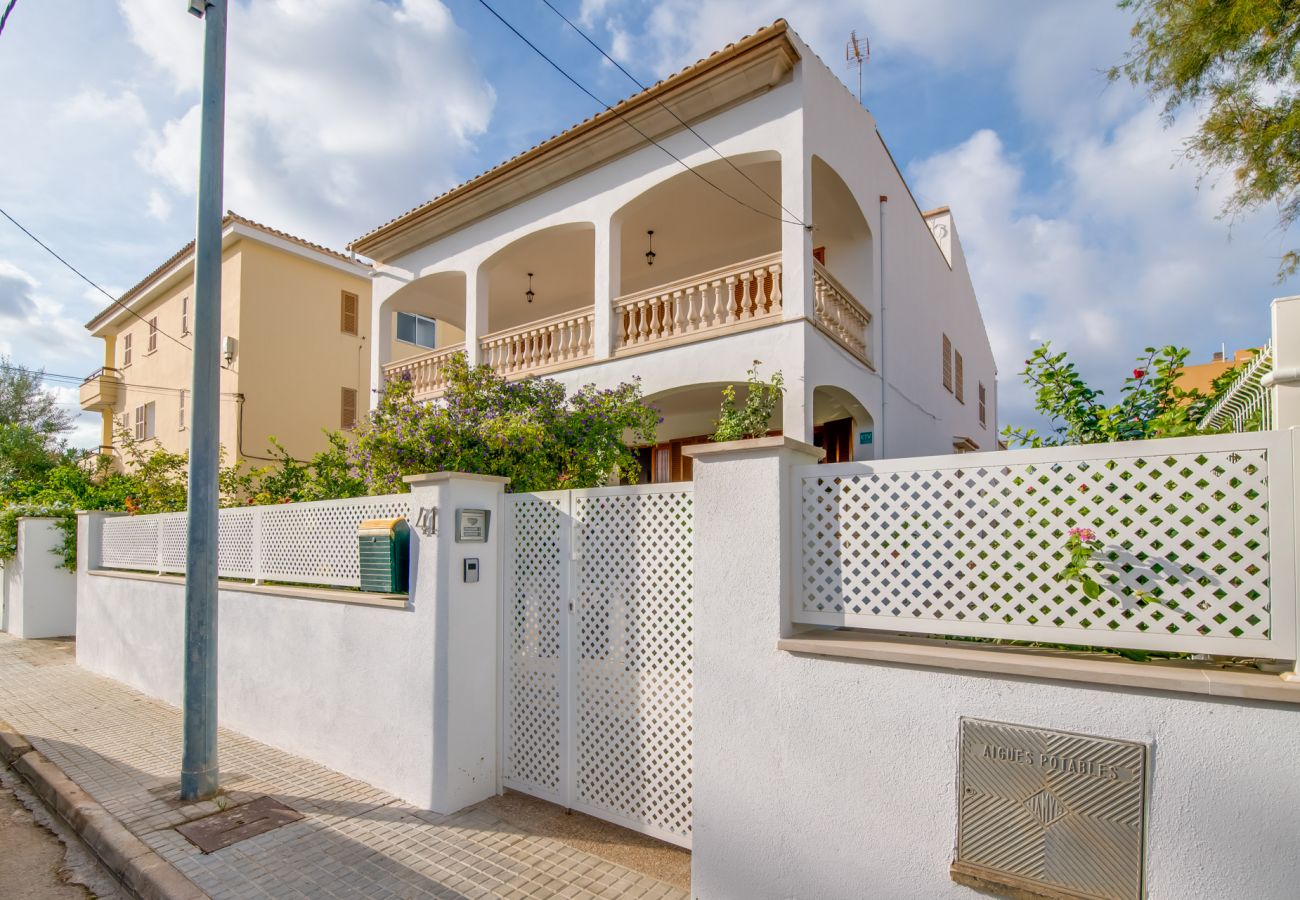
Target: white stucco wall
(819, 778)
(40, 596)
(809, 114)
(394, 697)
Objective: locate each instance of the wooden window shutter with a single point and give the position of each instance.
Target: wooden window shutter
(126, 349)
(348, 411)
(947, 363)
(983, 406)
(349, 306)
(153, 334)
(960, 390)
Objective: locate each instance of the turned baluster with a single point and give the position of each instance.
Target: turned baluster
(643, 313)
(776, 288)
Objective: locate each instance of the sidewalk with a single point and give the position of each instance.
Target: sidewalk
(354, 840)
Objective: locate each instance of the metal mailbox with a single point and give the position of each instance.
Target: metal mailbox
(384, 546)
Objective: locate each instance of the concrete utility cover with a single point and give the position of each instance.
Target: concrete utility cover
(1054, 810)
(237, 824)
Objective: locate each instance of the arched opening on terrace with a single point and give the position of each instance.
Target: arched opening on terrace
(427, 314)
(842, 425)
(696, 228)
(842, 239)
(711, 263)
(689, 416)
(844, 286)
(540, 301)
(562, 260)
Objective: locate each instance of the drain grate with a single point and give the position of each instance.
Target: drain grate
(237, 824)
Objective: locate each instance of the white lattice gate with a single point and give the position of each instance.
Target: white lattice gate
(599, 646)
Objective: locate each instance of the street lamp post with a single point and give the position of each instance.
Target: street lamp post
(199, 755)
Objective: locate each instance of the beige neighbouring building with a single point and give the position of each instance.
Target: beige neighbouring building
(295, 331)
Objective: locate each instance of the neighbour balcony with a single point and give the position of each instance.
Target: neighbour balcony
(730, 299)
(101, 389)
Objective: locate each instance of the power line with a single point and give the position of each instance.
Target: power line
(5, 18)
(77, 381)
(669, 110)
(629, 124)
(46, 247)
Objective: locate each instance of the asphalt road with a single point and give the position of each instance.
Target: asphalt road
(33, 860)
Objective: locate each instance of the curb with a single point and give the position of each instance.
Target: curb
(140, 869)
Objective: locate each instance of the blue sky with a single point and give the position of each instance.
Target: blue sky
(1080, 223)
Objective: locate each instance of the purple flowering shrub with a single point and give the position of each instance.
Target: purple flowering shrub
(529, 431)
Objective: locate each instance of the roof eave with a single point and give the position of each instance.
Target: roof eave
(741, 71)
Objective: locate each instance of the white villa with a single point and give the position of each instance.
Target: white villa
(791, 240)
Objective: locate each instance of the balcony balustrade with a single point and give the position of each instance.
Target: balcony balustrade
(427, 373)
(732, 298)
(101, 389)
(839, 314)
(550, 344)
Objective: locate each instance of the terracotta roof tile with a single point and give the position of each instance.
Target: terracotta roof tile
(229, 218)
(779, 25)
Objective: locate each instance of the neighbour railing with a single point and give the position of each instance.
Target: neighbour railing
(739, 295)
(1198, 545)
(1246, 396)
(292, 543)
(546, 344)
(104, 372)
(840, 314)
(427, 373)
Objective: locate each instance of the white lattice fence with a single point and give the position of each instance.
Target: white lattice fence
(600, 631)
(1198, 534)
(296, 543)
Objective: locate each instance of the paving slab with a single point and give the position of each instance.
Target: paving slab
(354, 840)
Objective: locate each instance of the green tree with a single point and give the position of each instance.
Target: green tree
(529, 431)
(753, 419)
(1237, 60)
(24, 402)
(1151, 404)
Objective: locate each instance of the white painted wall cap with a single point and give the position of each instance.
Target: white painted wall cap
(750, 445)
(439, 477)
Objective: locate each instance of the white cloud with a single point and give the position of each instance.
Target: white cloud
(339, 113)
(158, 205)
(1119, 252)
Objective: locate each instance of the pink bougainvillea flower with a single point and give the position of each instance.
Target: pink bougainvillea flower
(1084, 534)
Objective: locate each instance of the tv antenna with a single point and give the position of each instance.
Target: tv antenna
(857, 51)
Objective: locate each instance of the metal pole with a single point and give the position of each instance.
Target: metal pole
(882, 428)
(199, 756)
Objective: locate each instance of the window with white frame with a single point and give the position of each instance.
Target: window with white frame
(416, 329)
(984, 422)
(144, 422)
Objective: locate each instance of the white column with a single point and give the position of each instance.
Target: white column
(383, 285)
(608, 278)
(476, 311)
(743, 591)
(465, 637)
(1284, 380)
(796, 241)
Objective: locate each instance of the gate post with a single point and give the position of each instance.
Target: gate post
(465, 632)
(744, 579)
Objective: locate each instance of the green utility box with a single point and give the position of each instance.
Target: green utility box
(385, 550)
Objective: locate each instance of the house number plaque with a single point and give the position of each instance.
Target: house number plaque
(1049, 810)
